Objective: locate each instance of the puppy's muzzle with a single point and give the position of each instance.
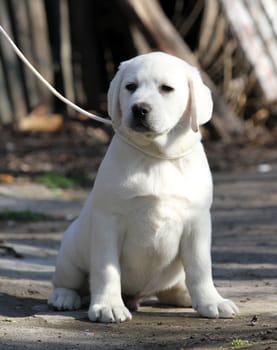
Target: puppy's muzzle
(140, 113)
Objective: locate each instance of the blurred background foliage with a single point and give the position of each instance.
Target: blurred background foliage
(77, 46)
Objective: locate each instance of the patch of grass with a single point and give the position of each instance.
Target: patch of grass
(82, 178)
(238, 342)
(22, 215)
(55, 181)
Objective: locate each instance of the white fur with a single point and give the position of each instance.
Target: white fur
(147, 218)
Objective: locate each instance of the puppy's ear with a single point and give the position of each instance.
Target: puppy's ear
(201, 103)
(114, 110)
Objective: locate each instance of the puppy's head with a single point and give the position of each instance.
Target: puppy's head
(153, 93)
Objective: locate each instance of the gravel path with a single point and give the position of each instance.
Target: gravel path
(244, 260)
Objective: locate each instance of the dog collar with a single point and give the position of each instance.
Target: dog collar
(153, 154)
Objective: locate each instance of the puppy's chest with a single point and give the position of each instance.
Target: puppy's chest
(159, 180)
(154, 229)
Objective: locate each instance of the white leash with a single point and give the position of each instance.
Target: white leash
(49, 86)
(81, 110)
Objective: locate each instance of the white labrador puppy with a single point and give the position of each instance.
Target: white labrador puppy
(145, 228)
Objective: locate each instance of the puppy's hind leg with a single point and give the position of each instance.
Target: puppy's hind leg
(64, 299)
(68, 280)
(177, 295)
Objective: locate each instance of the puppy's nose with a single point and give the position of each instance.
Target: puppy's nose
(141, 110)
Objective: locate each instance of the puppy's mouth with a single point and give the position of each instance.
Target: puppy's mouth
(140, 126)
(144, 128)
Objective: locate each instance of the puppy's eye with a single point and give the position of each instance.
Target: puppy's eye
(131, 87)
(166, 88)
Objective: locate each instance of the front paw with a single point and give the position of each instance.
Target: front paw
(217, 308)
(106, 313)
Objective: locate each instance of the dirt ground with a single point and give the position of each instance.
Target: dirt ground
(244, 262)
